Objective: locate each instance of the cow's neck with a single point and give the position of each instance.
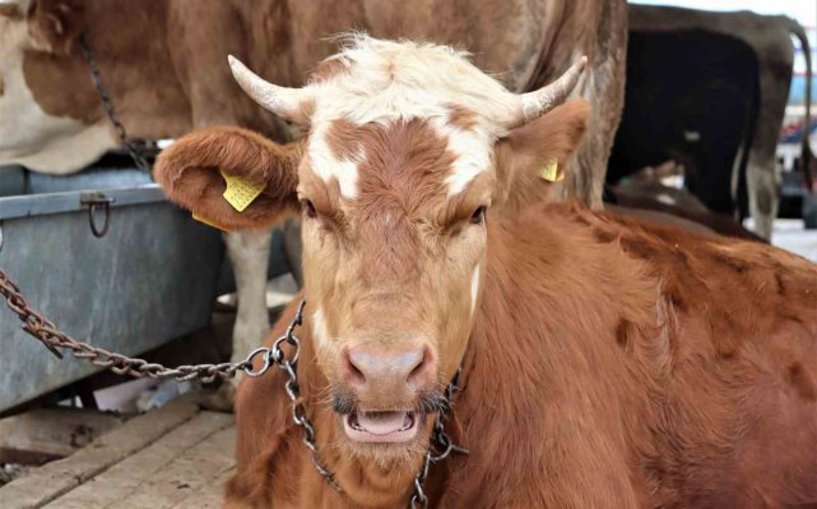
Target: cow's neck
(139, 76)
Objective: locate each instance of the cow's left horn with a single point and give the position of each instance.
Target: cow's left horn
(535, 104)
(288, 103)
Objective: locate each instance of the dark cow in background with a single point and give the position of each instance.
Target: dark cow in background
(165, 65)
(709, 90)
(692, 98)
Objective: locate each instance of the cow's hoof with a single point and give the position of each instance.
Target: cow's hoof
(221, 400)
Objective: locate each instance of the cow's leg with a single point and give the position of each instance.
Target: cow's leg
(763, 186)
(201, 64)
(762, 176)
(604, 90)
(249, 253)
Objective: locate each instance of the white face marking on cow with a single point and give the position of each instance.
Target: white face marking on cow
(472, 149)
(29, 135)
(474, 289)
(319, 328)
(328, 167)
(387, 83)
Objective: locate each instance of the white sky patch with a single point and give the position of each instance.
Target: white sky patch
(474, 289)
(804, 11)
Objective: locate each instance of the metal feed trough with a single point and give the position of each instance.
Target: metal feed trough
(151, 278)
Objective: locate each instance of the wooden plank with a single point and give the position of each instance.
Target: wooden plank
(162, 473)
(211, 496)
(50, 481)
(55, 432)
(180, 483)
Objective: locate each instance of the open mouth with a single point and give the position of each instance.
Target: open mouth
(381, 427)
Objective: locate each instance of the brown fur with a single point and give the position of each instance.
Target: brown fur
(610, 363)
(525, 151)
(462, 118)
(56, 24)
(708, 400)
(188, 171)
(403, 251)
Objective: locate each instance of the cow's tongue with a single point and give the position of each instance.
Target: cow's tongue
(383, 423)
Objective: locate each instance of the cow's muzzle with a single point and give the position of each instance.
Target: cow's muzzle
(388, 391)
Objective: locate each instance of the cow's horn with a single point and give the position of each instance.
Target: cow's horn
(288, 103)
(537, 103)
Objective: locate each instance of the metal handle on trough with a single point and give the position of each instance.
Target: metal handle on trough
(97, 201)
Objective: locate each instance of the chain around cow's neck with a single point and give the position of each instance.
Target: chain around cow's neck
(441, 445)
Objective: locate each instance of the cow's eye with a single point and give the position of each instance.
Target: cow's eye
(308, 208)
(478, 217)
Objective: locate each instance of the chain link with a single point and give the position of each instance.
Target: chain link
(40, 327)
(275, 356)
(131, 146)
(37, 325)
(441, 442)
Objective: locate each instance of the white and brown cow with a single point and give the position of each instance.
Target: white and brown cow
(163, 64)
(604, 363)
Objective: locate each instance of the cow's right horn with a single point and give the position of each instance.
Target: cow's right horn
(291, 104)
(534, 104)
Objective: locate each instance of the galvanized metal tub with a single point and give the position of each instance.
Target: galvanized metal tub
(150, 279)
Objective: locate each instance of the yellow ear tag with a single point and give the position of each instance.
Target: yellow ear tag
(240, 193)
(209, 223)
(550, 171)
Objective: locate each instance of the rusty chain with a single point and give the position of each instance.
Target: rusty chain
(130, 145)
(442, 446)
(43, 329)
(275, 356)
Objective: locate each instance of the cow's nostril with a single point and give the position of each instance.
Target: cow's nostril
(352, 372)
(420, 371)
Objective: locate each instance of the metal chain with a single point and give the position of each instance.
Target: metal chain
(274, 355)
(107, 105)
(442, 445)
(441, 442)
(37, 325)
(43, 329)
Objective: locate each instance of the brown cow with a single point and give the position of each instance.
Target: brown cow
(163, 63)
(603, 363)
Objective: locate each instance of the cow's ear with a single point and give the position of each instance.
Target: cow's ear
(534, 156)
(192, 171)
(56, 24)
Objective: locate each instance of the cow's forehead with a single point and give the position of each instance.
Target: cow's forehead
(467, 150)
(382, 83)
